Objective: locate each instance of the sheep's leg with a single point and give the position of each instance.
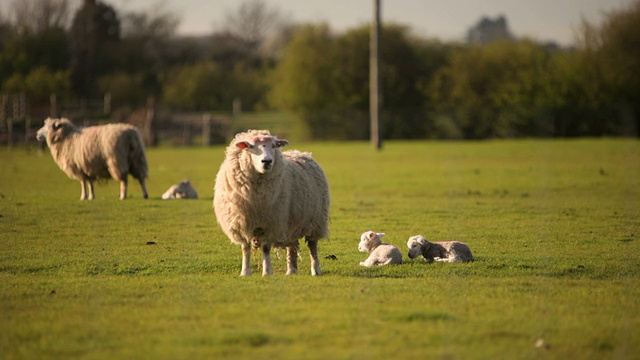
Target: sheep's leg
(90, 188)
(266, 260)
(144, 189)
(292, 260)
(246, 259)
(83, 189)
(123, 189)
(313, 253)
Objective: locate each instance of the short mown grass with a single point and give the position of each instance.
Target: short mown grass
(553, 224)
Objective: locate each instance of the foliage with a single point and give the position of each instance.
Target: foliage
(515, 88)
(553, 226)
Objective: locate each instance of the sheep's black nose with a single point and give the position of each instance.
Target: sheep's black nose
(267, 163)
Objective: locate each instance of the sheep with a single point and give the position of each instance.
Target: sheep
(265, 197)
(182, 190)
(380, 253)
(96, 152)
(446, 251)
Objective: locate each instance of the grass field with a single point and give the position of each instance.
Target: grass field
(554, 227)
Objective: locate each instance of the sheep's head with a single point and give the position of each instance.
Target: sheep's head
(417, 244)
(261, 148)
(370, 240)
(53, 130)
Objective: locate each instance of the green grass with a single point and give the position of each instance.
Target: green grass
(554, 227)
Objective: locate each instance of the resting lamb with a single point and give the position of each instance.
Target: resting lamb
(380, 253)
(182, 190)
(264, 198)
(447, 251)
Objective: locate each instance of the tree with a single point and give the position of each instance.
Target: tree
(495, 90)
(253, 22)
(197, 87)
(39, 15)
(616, 56)
(95, 32)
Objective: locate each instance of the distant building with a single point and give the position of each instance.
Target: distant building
(488, 30)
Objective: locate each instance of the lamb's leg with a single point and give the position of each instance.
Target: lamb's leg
(123, 189)
(292, 260)
(313, 253)
(266, 260)
(246, 259)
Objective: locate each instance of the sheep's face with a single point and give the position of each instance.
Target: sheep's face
(415, 245)
(370, 240)
(262, 150)
(52, 129)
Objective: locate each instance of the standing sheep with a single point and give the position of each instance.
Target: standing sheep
(265, 197)
(447, 251)
(96, 152)
(380, 253)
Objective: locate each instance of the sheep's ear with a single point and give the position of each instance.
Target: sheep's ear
(381, 234)
(281, 143)
(57, 125)
(244, 145)
(371, 235)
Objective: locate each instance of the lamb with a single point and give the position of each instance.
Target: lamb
(446, 251)
(182, 190)
(96, 152)
(265, 197)
(380, 253)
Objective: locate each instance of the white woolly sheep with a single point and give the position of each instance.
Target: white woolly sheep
(380, 253)
(264, 197)
(446, 251)
(96, 152)
(182, 190)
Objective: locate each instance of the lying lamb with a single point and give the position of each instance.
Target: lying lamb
(182, 190)
(447, 251)
(380, 253)
(264, 197)
(96, 152)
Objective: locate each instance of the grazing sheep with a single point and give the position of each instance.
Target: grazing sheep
(265, 197)
(182, 190)
(96, 152)
(380, 253)
(447, 251)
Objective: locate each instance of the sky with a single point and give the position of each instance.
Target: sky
(447, 20)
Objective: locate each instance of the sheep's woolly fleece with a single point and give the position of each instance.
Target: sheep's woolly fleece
(96, 152)
(276, 207)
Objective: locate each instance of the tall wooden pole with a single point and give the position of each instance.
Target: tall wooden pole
(374, 77)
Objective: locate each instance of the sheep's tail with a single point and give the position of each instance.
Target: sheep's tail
(139, 168)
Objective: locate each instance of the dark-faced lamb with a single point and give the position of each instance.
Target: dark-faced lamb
(446, 251)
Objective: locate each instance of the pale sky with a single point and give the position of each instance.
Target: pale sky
(542, 20)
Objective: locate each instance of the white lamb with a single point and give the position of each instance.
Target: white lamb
(380, 253)
(182, 190)
(265, 198)
(447, 251)
(96, 152)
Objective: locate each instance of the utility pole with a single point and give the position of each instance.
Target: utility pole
(374, 77)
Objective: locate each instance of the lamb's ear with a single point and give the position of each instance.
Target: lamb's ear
(244, 145)
(381, 234)
(371, 235)
(281, 143)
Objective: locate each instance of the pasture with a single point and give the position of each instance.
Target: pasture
(554, 226)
